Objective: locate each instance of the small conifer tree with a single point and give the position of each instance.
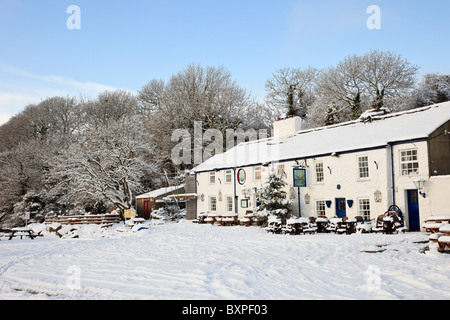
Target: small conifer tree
(273, 198)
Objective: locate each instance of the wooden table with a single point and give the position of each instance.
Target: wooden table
(246, 221)
(433, 223)
(21, 232)
(444, 241)
(229, 219)
(322, 224)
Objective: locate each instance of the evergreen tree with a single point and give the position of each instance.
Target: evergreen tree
(356, 107)
(273, 198)
(330, 116)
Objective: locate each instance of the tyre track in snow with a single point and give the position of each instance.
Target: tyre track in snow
(9, 283)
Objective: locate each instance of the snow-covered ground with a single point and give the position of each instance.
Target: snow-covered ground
(189, 262)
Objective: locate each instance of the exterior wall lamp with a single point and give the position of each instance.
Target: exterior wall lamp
(419, 184)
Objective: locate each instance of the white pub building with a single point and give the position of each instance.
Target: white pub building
(357, 168)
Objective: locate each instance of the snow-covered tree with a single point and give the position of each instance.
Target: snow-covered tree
(359, 82)
(273, 197)
(106, 163)
(291, 90)
(434, 88)
(197, 94)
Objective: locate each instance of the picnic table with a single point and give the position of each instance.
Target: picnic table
(139, 220)
(322, 224)
(213, 218)
(444, 240)
(21, 232)
(433, 223)
(246, 221)
(229, 219)
(201, 218)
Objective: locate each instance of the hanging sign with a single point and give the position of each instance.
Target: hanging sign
(299, 178)
(241, 176)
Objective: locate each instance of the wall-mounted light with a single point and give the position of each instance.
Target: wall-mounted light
(420, 184)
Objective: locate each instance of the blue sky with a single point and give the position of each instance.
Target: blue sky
(125, 44)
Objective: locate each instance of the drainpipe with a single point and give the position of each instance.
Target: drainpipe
(391, 145)
(196, 198)
(234, 196)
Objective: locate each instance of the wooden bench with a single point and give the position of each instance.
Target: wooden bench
(293, 226)
(444, 241)
(201, 218)
(433, 223)
(22, 232)
(103, 219)
(227, 221)
(246, 221)
(209, 220)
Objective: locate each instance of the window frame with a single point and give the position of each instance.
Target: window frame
(228, 173)
(213, 176)
(281, 169)
(363, 170)
(364, 212)
(211, 203)
(316, 165)
(229, 203)
(316, 207)
(255, 169)
(409, 170)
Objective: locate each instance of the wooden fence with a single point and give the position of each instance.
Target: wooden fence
(104, 219)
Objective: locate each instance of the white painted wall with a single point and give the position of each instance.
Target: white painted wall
(341, 170)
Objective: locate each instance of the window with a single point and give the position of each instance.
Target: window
(364, 208)
(319, 172)
(257, 173)
(320, 207)
(363, 167)
(212, 204)
(229, 203)
(281, 170)
(212, 178)
(228, 176)
(409, 162)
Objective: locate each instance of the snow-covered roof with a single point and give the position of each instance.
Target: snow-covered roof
(354, 135)
(159, 192)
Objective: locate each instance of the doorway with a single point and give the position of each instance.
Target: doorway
(341, 210)
(147, 209)
(413, 210)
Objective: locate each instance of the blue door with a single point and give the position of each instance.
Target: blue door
(413, 210)
(340, 207)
